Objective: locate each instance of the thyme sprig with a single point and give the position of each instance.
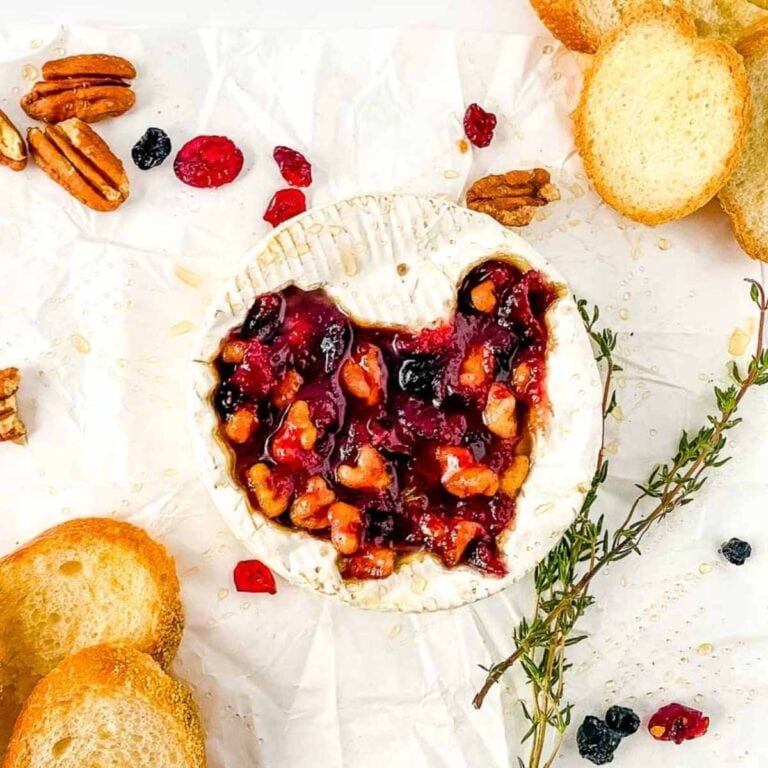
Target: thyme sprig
(562, 580)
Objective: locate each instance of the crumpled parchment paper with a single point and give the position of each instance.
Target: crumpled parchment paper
(100, 311)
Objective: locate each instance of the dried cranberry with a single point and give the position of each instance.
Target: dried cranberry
(479, 125)
(256, 374)
(285, 204)
(429, 341)
(254, 576)
(417, 419)
(151, 149)
(294, 167)
(678, 723)
(264, 317)
(208, 161)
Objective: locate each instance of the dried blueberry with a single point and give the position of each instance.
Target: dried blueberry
(264, 317)
(226, 399)
(151, 149)
(596, 741)
(622, 720)
(333, 344)
(419, 375)
(736, 551)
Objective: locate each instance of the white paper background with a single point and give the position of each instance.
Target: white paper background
(297, 680)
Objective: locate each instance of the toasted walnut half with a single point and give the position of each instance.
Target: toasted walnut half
(369, 474)
(513, 197)
(346, 526)
(13, 150)
(462, 476)
(310, 510)
(513, 477)
(272, 489)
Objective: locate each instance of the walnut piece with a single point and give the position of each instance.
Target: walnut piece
(513, 197)
(11, 426)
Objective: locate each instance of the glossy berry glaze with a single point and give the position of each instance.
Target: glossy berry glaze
(385, 441)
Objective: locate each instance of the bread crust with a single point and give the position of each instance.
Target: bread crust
(566, 22)
(752, 46)
(684, 24)
(161, 641)
(113, 672)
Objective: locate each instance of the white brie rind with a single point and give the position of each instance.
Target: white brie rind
(398, 260)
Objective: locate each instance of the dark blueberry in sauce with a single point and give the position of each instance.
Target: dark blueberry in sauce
(264, 317)
(419, 375)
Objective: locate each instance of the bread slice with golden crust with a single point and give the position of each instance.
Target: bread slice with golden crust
(582, 24)
(745, 196)
(108, 707)
(82, 583)
(663, 116)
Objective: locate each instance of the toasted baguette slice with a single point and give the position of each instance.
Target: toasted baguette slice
(108, 707)
(745, 196)
(663, 116)
(82, 583)
(582, 24)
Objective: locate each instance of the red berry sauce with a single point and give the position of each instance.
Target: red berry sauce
(678, 723)
(479, 125)
(285, 204)
(208, 161)
(294, 167)
(384, 441)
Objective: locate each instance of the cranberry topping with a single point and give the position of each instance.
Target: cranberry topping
(208, 161)
(285, 204)
(479, 125)
(254, 576)
(678, 723)
(294, 167)
(387, 442)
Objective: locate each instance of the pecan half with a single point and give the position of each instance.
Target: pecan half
(90, 87)
(13, 150)
(512, 198)
(78, 159)
(11, 426)
(87, 65)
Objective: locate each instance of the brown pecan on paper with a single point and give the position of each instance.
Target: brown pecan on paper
(78, 159)
(513, 197)
(13, 150)
(89, 86)
(11, 426)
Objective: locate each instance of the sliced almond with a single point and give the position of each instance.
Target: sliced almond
(13, 150)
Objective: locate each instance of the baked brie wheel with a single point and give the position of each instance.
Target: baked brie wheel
(397, 404)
